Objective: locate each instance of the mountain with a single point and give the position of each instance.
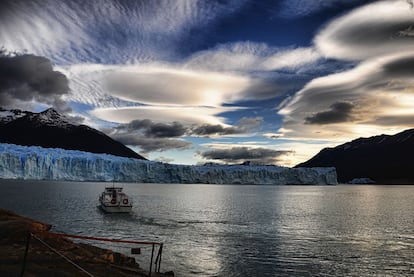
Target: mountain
(50, 129)
(385, 159)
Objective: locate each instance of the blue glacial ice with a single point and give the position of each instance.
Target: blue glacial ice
(37, 163)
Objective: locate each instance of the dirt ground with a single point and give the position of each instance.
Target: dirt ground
(42, 261)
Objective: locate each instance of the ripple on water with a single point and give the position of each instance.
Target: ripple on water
(228, 230)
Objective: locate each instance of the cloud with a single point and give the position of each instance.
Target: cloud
(338, 112)
(151, 144)
(250, 56)
(163, 114)
(152, 136)
(39, 27)
(367, 32)
(208, 130)
(148, 128)
(162, 85)
(297, 150)
(155, 84)
(153, 130)
(359, 102)
(191, 83)
(242, 154)
(67, 31)
(25, 79)
(163, 159)
(249, 124)
(400, 67)
(272, 71)
(243, 126)
(377, 91)
(161, 93)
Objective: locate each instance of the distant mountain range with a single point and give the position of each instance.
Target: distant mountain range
(385, 159)
(50, 129)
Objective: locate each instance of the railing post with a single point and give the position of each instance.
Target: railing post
(159, 256)
(25, 253)
(152, 257)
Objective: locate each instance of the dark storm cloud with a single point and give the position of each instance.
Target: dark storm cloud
(151, 136)
(151, 129)
(27, 78)
(209, 130)
(242, 154)
(155, 130)
(160, 130)
(148, 144)
(339, 112)
(243, 126)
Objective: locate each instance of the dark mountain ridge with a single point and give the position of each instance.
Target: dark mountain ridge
(50, 129)
(385, 159)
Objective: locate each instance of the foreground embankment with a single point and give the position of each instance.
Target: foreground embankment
(42, 261)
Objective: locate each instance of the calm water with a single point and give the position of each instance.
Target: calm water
(230, 230)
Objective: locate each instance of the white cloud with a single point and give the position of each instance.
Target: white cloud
(153, 84)
(162, 85)
(249, 56)
(293, 58)
(39, 29)
(377, 91)
(373, 98)
(71, 31)
(163, 114)
(368, 31)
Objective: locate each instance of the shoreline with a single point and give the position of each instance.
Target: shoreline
(41, 260)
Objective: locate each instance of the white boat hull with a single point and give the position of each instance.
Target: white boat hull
(115, 209)
(113, 200)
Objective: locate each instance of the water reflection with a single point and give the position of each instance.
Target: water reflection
(228, 230)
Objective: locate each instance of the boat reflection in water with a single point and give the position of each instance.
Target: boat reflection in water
(114, 200)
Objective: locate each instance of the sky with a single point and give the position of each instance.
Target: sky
(222, 81)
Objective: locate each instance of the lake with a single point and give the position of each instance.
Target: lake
(240, 230)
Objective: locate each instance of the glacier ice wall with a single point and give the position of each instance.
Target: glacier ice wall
(37, 163)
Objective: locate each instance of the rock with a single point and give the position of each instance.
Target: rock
(41, 261)
(362, 181)
(13, 226)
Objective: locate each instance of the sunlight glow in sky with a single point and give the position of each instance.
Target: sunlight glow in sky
(189, 82)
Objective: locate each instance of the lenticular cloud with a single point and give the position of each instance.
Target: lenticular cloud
(376, 29)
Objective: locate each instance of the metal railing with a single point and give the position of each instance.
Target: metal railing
(157, 262)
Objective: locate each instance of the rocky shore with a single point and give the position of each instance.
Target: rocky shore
(41, 261)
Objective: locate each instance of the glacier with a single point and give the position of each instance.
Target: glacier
(37, 163)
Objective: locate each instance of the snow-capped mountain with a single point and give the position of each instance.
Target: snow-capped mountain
(10, 115)
(384, 158)
(52, 130)
(37, 163)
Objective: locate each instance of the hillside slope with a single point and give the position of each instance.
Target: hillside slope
(384, 158)
(49, 129)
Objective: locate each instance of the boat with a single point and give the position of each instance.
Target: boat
(114, 200)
